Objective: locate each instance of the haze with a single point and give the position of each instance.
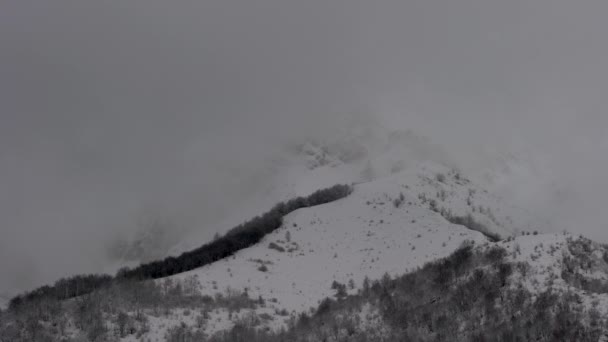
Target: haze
(111, 109)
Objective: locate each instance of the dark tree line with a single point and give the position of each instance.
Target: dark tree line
(64, 288)
(119, 310)
(469, 222)
(240, 237)
(244, 235)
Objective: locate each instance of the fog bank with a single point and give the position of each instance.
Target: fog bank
(110, 110)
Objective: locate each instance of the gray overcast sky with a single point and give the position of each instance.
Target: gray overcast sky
(109, 106)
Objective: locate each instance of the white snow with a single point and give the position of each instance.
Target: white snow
(545, 253)
(365, 234)
(362, 235)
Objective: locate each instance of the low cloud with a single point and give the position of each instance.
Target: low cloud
(109, 109)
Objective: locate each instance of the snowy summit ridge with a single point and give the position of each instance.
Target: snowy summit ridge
(408, 208)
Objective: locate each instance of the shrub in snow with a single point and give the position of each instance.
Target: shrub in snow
(276, 247)
(440, 177)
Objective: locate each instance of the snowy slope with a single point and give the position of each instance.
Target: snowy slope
(393, 222)
(361, 235)
(551, 256)
(402, 154)
(371, 232)
(300, 171)
(396, 220)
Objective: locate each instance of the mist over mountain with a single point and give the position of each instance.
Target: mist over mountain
(193, 114)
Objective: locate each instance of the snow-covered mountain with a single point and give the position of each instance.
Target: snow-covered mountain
(361, 156)
(409, 207)
(392, 224)
(396, 220)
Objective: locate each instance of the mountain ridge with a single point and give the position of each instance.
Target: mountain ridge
(392, 224)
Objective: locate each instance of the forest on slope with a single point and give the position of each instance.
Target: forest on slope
(240, 237)
(475, 294)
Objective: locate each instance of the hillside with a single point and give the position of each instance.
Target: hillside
(545, 288)
(362, 153)
(372, 231)
(363, 157)
(387, 226)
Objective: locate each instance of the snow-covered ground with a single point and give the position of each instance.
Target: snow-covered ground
(385, 226)
(402, 156)
(546, 255)
(393, 222)
(362, 235)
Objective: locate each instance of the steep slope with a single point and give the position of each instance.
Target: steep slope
(397, 219)
(300, 171)
(392, 223)
(533, 288)
(362, 235)
(551, 287)
(358, 159)
(387, 225)
(361, 153)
